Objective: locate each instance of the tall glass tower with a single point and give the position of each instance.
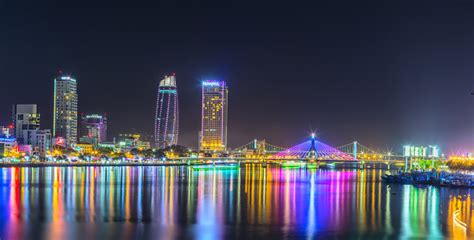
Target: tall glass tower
(65, 109)
(213, 135)
(167, 116)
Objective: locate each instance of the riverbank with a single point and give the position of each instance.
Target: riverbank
(329, 165)
(90, 164)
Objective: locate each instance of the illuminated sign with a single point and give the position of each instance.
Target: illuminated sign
(68, 78)
(421, 151)
(168, 91)
(435, 152)
(211, 83)
(60, 141)
(93, 116)
(8, 140)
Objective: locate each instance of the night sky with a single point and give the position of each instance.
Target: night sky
(385, 73)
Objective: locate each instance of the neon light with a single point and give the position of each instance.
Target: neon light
(68, 78)
(167, 91)
(416, 151)
(7, 140)
(60, 141)
(94, 116)
(211, 83)
(54, 109)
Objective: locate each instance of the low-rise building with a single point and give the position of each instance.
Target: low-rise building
(7, 144)
(6, 131)
(107, 145)
(85, 148)
(143, 145)
(39, 140)
(128, 141)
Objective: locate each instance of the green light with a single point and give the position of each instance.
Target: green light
(168, 91)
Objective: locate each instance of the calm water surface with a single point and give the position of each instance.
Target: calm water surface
(253, 202)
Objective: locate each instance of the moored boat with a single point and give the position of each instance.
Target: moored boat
(446, 179)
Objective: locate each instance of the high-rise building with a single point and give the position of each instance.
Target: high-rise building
(213, 135)
(93, 129)
(26, 118)
(65, 109)
(167, 116)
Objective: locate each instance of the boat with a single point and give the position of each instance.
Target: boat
(312, 165)
(292, 164)
(331, 165)
(389, 178)
(429, 178)
(216, 167)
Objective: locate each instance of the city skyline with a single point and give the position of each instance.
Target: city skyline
(380, 78)
(234, 120)
(170, 82)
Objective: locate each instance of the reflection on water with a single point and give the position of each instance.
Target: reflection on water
(178, 202)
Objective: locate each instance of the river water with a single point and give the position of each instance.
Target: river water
(253, 202)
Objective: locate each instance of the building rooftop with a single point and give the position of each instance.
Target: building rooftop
(168, 81)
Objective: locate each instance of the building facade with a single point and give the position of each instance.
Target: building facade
(167, 113)
(7, 144)
(65, 109)
(213, 134)
(40, 141)
(7, 131)
(93, 129)
(85, 148)
(26, 118)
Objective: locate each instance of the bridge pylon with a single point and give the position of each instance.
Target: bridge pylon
(312, 149)
(359, 151)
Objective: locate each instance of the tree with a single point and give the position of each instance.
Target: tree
(178, 150)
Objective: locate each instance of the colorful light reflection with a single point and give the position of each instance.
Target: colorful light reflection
(178, 202)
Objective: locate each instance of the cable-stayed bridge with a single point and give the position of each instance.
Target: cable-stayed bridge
(312, 149)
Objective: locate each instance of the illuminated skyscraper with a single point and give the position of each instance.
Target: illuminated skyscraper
(65, 109)
(167, 116)
(213, 135)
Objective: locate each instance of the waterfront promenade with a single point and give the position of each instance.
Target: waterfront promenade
(378, 164)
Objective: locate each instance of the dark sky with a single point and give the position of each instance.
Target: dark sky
(386, 73)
